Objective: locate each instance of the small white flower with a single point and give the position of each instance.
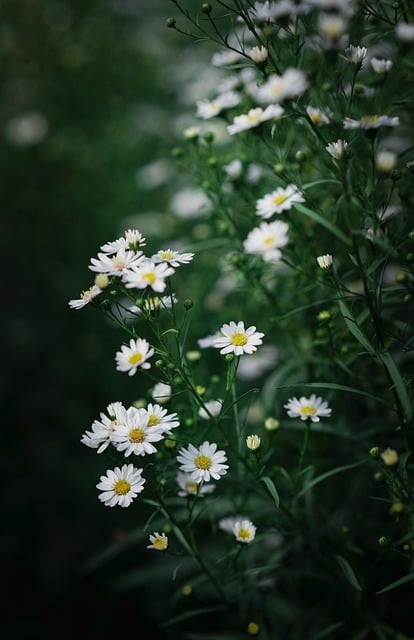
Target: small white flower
(253, 442)
(356, 55)
(226, 524)
(371, 122)
(312, 407)
(277, 88)
(325, 261)
(254, 117)
(257, 54)
(381, 65)
(149, 275)
(208, 341)
(27, 129)
(207, 109)
(159, 541)
(203, 463)
(188, 487)
(244, 531)
(211, 408)
(338, 149)
(135, 436)
(234, 169)
(385, 161)
(115, 265)
(279, 200)
(128, 359)
(234, 338)
(100, 436)
(223, 58)
(267, 239)
(317, 116)
(171, 257)
(121, 486)
(405, 31)
(158, 417)
(85, 297)
(161, 392)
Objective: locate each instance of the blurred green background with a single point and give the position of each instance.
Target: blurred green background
(84, 107)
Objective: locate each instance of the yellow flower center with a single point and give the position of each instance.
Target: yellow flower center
(244, 534)
(118, 263)
(316, 117)
(308, 410)
(202, 462)
(269, 240)
(86, 294)
(369, 119)
(160, 543)
(254, 116)
(168, 254)
(153, 420)
(135, 358)
(121, 487)
(280, 199)
(149, 277)
(191, 487)
(239, 339)
(276, 91)
(137, 435)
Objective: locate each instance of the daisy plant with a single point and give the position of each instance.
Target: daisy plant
(266, 435)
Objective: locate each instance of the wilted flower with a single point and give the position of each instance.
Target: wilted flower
(159, 541)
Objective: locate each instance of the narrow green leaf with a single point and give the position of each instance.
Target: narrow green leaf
(328, 474)
(191, 614)
(397, 583)
(348, 572)
(271, 489)
(399, 384)
(180, 537)
(336, 387)
(354, 328)
(325, 633)
(321, 220)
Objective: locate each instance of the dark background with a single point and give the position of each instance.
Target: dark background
(94, 71)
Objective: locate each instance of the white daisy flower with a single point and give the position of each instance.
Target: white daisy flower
(132, 240)
(207, 109)
(188, 487)
(355, 55)
(405, 31)
(371, 122)
(279, 200)
(381, 65)
(223, 58)
(338, 149)
(159, 541)
(278, 88)
(257, 54)
(226, 524)
(128, 359)
(244, 531)
(85, 297)
(312, 407)
(234, 338)
(234, 169)
(100, 436)
(135, 436)
(161, 392)
(325, 261)
(121, 486)
(115, 265)
(254, 117)
(203, 463)
(211, 408)
(317, 116)
(148, 274)
(173, 258)
(154, 303)
(160, 418)
(267, 239)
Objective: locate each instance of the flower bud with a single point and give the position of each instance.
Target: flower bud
(389, 457)
(206, 8)
(188, 304)
(384, 541)
(375, 452)
(229, 357)
(101, 280)
(271, 424)
(253, 442)
(252, 629)
(171, 23)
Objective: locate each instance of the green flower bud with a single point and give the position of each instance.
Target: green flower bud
(384, 541)
(378, 476)
(159, 364)
(229, 357)
(188, 304)
(171, 23)
(212, 162)
(206, 8)
(375, 452)
(177, 152)
(395, 175)
(279, 167)
(208, 136)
